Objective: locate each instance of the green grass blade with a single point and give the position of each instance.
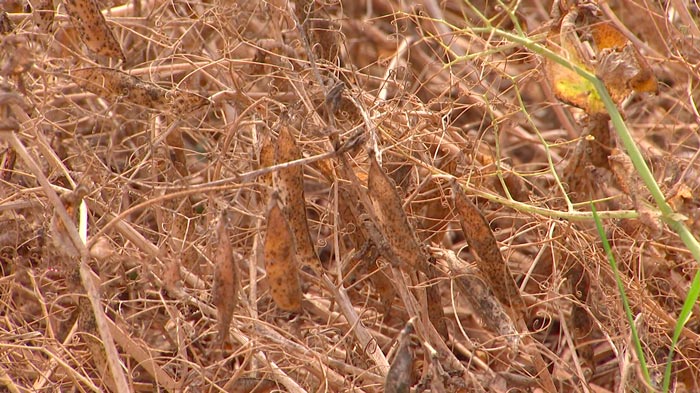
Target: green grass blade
(625, 303)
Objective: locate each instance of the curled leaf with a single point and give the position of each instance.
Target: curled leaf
(614, 60)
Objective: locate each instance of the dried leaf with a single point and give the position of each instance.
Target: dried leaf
(289, 183)
(381, 280)
(591, 152)
(6, 25)
(638, 75)
(400, 377)
(111, 84)
(280, 260)
(92, 28)
(482, 242)
(631, 184)
(436, 313)
(226, 280)
(616, 61)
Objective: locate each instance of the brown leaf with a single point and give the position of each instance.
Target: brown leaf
(289, 183)
(400, 377)
(280, 260)
(111, 84)
(636, 73)
(591, 152)
(615, 60)
(88, 325)
(92, 28)
(6, 25)
(482, 242)
(226, 280)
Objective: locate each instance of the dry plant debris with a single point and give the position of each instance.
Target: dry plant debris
(268, 202)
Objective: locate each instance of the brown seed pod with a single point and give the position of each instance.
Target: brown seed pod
(226, 281)
(92, 28)
(400, 377)
(482, 242)
(266, 158)
(43, 14)
(402, 238)
(183, 101)
(280, 260)
(392, 218)
(111, 84)
(289, 182)
(251, 385)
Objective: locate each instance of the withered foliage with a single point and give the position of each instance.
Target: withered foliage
(340, 196)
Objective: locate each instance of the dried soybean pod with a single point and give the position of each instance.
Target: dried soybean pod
(402, 239)
(400, 376)
(112, 84)
(251, 385)
(92, 28)
(482, 300)
(183, 101)
(289, 182)
(43, 14)
(482, 242)
(280, 260)
(392, 218)
(266, 158)
(436, 313)
(226, 281)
